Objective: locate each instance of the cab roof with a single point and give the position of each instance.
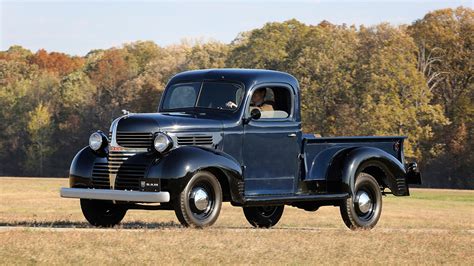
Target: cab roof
(248, 77)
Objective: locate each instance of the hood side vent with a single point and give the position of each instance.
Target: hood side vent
(198, 140)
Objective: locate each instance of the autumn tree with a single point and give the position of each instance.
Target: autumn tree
(445, 39)
(54, 62)
(324, 66)
(16, 80)
(207, 55)
(394, 96)
(269, 47)
(41, 147)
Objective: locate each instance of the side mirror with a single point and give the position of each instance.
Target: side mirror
(255, 114)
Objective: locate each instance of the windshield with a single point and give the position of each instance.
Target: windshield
(209, 95)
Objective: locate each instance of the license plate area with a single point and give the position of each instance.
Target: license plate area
(150, 184)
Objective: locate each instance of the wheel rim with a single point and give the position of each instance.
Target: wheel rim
(202, 200)
(365, 203)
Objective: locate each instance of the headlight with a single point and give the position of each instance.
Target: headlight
(97, 140)
(162, 142)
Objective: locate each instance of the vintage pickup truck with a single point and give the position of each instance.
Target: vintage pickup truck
(233, 135)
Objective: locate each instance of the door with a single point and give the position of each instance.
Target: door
(271, 146)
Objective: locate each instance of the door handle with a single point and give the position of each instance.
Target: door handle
(292, 135)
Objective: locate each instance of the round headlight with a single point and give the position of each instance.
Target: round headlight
(162, 142)
(96, 140)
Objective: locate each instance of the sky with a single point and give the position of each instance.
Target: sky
(76, 27)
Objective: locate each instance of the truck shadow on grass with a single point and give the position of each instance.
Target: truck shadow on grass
(70, 224)
(136, 225)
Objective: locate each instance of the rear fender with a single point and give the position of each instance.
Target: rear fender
(390, 171)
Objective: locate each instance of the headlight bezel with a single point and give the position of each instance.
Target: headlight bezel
(168, 142)
(94, 144)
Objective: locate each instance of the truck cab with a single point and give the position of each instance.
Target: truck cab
(233, 135)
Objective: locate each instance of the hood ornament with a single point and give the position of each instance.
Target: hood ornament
(125, 112)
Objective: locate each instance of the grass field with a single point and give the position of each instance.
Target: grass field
(36, 226)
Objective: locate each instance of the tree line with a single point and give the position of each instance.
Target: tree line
(413, 80)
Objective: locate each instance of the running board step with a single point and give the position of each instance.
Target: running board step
(268, 200)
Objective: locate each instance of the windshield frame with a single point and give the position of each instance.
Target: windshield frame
(196, 108)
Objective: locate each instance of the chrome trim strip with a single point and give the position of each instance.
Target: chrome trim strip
(118, 195)
(113, 130)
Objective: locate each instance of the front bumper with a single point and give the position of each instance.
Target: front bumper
(118, 195)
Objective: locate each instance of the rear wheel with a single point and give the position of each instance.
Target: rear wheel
(199, 204)
(363, 209)
(102, 213)
(264, 216)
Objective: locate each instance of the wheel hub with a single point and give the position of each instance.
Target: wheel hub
(364, 202)
(200, 198)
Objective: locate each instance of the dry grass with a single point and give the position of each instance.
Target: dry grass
(432, 226)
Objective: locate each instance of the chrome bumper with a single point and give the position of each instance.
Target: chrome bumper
(119, 195)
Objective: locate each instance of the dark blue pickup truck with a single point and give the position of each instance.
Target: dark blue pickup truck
(233, 135)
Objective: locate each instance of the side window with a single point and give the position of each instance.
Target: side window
(273, 102)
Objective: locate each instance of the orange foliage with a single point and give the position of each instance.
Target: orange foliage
(111, 70)
(58, 63)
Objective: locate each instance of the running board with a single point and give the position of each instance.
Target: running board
(271, 200)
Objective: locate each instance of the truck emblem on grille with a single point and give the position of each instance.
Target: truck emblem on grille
(113, 148)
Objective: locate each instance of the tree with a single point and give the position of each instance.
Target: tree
(269, 47)
(15, 84)
(394, 96)
(15, 53)
(39, 130)
(448, 36)
(207, 55)
(58, 63)
(108, 74)
(324, 67)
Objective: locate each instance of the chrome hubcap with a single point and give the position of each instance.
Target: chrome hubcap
(200, 198)
(363, 202)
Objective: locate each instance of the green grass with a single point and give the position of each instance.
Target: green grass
(443, 195)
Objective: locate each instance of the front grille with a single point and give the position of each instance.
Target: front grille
(134, 139)
(100, 176)
(128, 175)
(194, 140)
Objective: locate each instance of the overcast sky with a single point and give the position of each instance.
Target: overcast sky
(77, 27)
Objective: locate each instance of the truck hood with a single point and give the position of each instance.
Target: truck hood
(168, 122)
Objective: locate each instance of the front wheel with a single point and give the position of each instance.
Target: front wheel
(363, 209)
(265, 216)
(102, 213)
(199, 204)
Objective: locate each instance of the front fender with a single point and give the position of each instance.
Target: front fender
(180, 164)
(80, 171)
(360, 158)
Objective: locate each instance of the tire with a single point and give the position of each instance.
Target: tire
(102, 213)
(363, 216)
(265, 216)
(192, 211)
